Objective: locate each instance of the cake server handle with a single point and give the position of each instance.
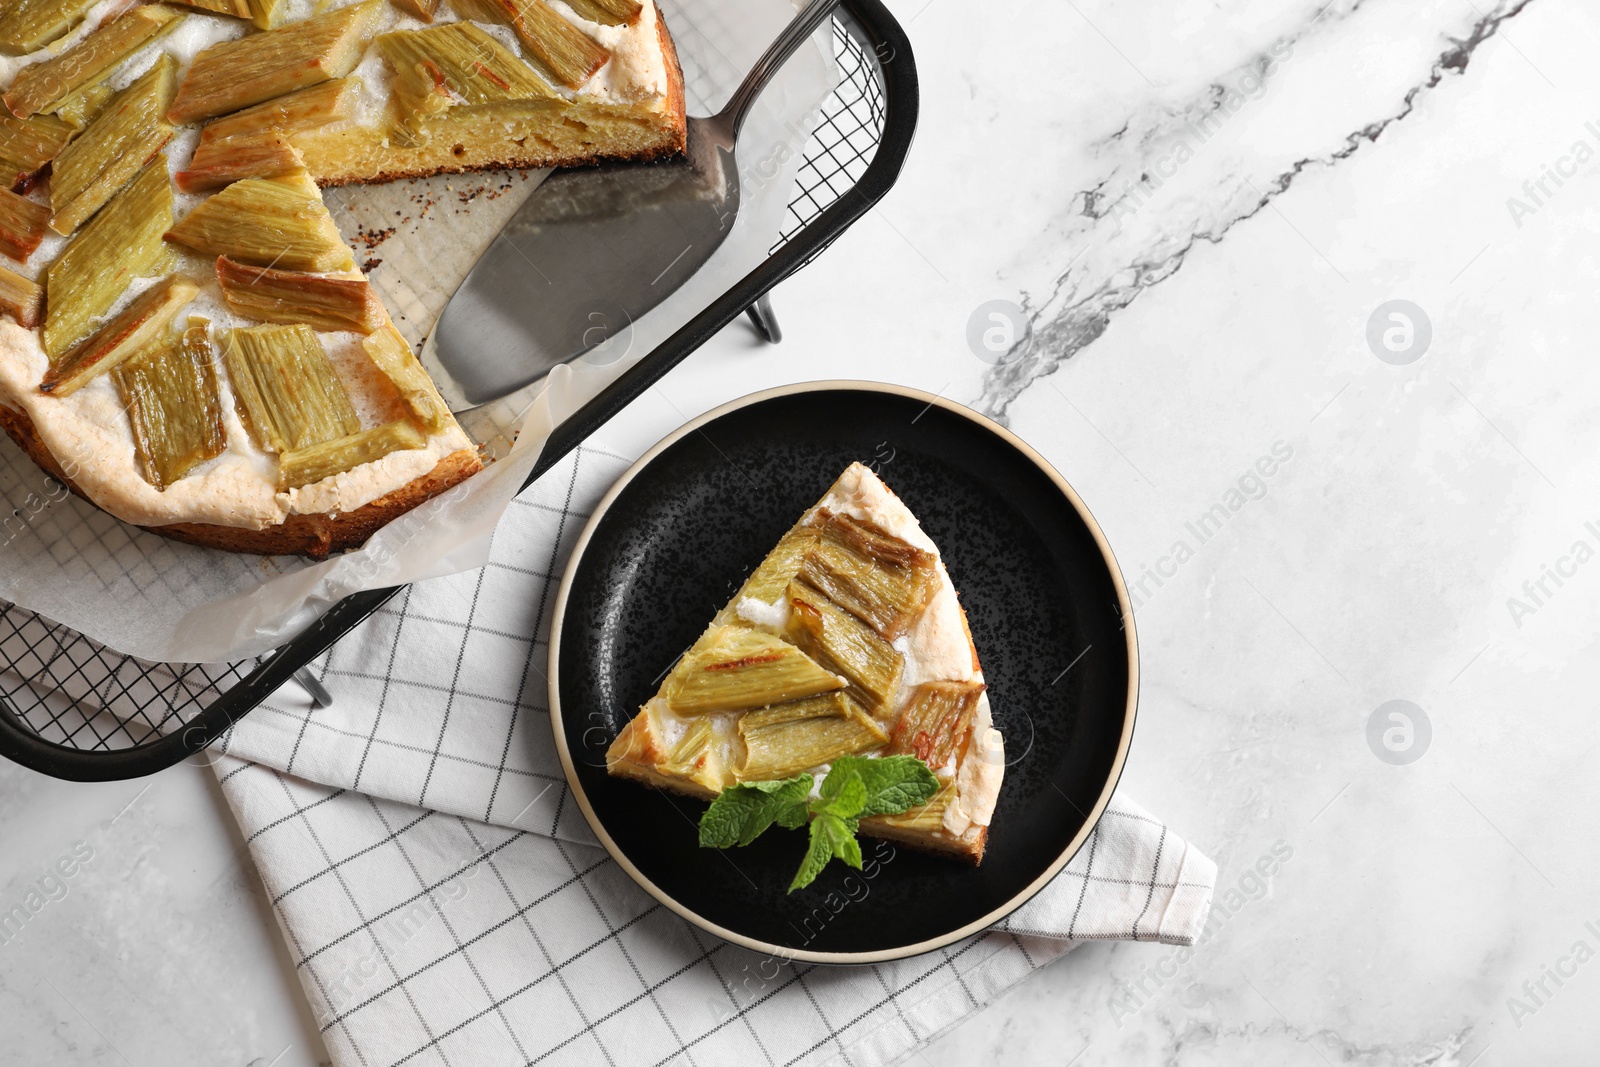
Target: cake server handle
(732, 116)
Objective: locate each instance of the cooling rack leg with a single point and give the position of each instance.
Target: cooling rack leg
(319, 692)
(761, 314)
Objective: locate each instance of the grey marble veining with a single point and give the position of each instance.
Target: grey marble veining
(1175, 159)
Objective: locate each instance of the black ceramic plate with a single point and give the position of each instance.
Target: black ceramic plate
(1049, 615)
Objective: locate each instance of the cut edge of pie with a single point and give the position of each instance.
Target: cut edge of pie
(530, 137)
(787, 677)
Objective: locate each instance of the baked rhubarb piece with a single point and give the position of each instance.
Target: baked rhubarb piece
(257, 67)
(170, 390)
(125, 133)
(48, 84)
(270, 222)
(20, 298)
(22, 225)
(120, 245)
(847, 643)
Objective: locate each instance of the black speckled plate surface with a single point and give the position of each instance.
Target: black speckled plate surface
(678, 533)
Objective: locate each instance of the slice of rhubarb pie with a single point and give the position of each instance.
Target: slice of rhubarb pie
(848, 639)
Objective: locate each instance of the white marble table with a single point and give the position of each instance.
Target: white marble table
(1199, 248)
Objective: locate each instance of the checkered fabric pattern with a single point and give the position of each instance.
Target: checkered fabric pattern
(444, 900)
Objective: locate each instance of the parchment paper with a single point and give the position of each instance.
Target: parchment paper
(153, 598)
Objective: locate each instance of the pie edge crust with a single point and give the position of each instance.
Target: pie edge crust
(675, 112)
(315, 536)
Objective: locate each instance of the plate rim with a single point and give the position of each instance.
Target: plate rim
(1130, 712)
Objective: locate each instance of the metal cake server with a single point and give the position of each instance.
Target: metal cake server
(593, 249)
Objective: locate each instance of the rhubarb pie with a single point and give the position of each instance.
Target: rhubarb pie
(848, 639)
(185, 338)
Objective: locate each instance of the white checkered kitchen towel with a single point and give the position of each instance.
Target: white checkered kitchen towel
(444, 900)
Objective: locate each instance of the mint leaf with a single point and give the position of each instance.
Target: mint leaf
(848, 848)
(794, 816)
(818, 853)
(832, 837)
(843, 794)
(893, 783)
(741, 812)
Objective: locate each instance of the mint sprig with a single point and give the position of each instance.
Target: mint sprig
(856, 787)
(740, 813)
(831, 838)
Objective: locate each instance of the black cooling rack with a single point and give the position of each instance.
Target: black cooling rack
(72, 708)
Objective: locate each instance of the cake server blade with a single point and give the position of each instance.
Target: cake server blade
(593, 249)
